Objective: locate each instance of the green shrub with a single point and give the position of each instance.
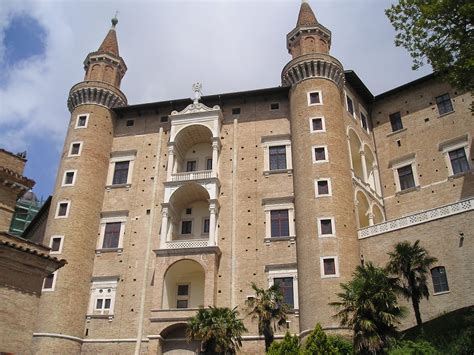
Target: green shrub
(463, 344)
(408, 347)
(342, 345)
(290, 345)
(318, 343)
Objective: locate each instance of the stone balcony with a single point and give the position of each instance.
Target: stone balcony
(186, 243)
(192, 175)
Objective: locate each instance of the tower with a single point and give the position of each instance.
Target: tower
(78, 197)
(327, 248)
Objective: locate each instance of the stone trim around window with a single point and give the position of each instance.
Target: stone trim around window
(111, 217)
(53, 286)
(70, 154)
(86, 115)
(333, 227)
(104, 287)
(449, 145)
(323, 124)
(336, 266)
(316, 190)
(401, 162)
(63, 182)
(284, 270)
(279, 203)
(273, 141)
(68, 208)
(121, 156)
(61, 242)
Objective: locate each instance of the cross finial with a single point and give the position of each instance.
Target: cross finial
(115, 19)
(197, 87)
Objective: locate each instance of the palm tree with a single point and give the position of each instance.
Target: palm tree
(270, 310)
(219, 330)
(412, 263)
(368, 304)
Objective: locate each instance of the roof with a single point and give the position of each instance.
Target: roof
(15, 177)
(43, 211)
(306, 16)
(406, 86)
(20, 156)
(110, 44)
(357, 84)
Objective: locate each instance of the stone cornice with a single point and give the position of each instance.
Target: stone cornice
(318, 29)
(315, 65)
(95, 93)
(107, 58)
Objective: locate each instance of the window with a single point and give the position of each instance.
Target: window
(121, 168)
(329, 266)
(326, 227)
(317, 124)
(323, 187)
(274, 106)
(320, 154)
(277, 157)
(191, 165)
(315, 98)
(121, 173)
(186, 227)
(209, 164)
(69, 178)
(364, 120)
(350, 105)
(205, 226)
(103, 291)
(280, 226)
(182, 296)
(286, 288)
(458, 159)
(277, 154)
(440, 281)
(75, 149)
(62, 211)
(444, 104)
(111, 235)
(236, 111)
(405, 176)
(130, 123)
(279, 218)
(49, 282)
(82, 121)
(286, 277)
(111, 231)
(189, 211)
(396, 121)
(56, 244)
(163, 119)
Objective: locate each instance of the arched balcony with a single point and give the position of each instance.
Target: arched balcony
(368, 211)
(189, 218)
(174, 341)
(355, 146)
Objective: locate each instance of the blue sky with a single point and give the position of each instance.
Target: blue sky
(167, 45)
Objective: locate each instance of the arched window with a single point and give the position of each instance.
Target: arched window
(440, 281)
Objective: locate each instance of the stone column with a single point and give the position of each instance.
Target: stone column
(212, 221)
(371, 218)
(375, 169)
(364, 166)
(164, 227)
(215, 156)
(170, 161)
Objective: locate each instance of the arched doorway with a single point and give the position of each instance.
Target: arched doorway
(174, 341)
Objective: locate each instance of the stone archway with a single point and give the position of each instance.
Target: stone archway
(174, 341)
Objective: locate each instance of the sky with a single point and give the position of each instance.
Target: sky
(227, 45)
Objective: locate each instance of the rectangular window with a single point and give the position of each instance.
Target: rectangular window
(315, 98)
(121, 173)
(75, 149)
(286, 288)
(62, 210)
(396, 121)
(56, 244)
(329, 266)
(163, 119)
(319, 154)
(182, 296)
(130, 123)
(444, 104)
(209, 164)
(277, 157)
(363, 120)
(274, 106)
(236, 111)
(440, 281)
(186, 227)
(279, 223)
(189, 211)
(191, 165)
(103, 290)
(323, 187)
(317, 124)
(458, 160)
(205, 226)
(325, 227)
(350, 105)
(48, 283)
(69, 178)
(406, 178)
(82, 121)
(112, 235)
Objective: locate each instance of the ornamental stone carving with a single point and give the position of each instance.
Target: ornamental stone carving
(95, 93)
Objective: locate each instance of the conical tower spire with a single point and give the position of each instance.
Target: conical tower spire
(110, 44)
(306, 16)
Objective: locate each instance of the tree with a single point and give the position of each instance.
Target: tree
(219, 329)
(368, 304)
(290, 345)
(439, 32)
(270, 310)
(318, 343)
(411, 263)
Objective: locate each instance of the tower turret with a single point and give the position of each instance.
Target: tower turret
(327, 249)
(78, 198)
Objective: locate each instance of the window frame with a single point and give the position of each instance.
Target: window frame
(447, 290)
(308, 96)
(333, 227)
(68, 208)
(279, 156)
(450, 102)
(284, 271)
(274, 103)
(323, 122)
(111, 217)
(97, 284)
(283, 203)
(453, 144)
(391, 123)
(400, 163)
(316, 191)
(336, 266)
(76, 126)
(271, 141)
(280, 223)
(64, 184)
(53, 286)
(363, 112)
(60, 250)
(326, 154)
(350, 97)
(203, 230)
(186, 298)
(121, 156)
(191, 233)
(70, 154)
